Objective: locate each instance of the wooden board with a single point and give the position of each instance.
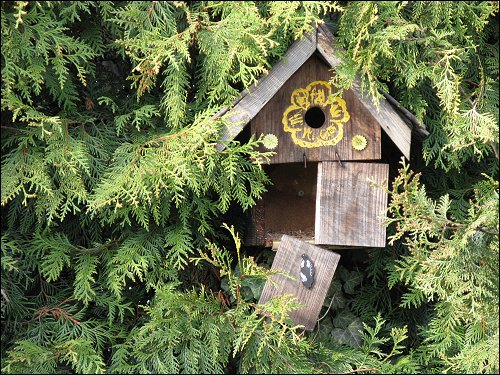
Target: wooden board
(347, 207)
(270, 120)
(255, 232)
(288, 259)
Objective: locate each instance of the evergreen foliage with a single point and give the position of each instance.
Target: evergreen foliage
(113, 254)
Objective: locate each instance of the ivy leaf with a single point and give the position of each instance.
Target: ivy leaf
(355, 278)
(342, 273)
(339, 301)
(246, 293)
(325, 329)
(343, 318)
(335, 293)
(255, 285)
(349, 336)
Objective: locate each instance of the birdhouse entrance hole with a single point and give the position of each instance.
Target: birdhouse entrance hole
(314, 117)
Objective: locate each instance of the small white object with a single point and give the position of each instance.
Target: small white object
(303, 277)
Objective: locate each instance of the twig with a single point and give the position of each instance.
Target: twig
(94, 249)
(333, 297)
(480, 229)
(10, 128)
(153, 3)
(57, 312)
(4, 295)
(494, 145)
(456, 226)
(317, 321)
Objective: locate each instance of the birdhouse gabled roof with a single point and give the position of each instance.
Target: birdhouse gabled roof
(395, 120)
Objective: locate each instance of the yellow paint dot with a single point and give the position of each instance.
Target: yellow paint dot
(359, 142)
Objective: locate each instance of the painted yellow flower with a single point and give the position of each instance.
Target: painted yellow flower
(314, 102)
(359, 142)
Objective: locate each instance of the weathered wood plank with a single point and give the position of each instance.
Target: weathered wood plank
(389, 120)
(325, 43)
(418, 127)
(255, 234)
(347, 207)
(387, 117)
(288, 259)
(261, 92)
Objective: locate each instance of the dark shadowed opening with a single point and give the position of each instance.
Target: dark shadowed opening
(314, 117)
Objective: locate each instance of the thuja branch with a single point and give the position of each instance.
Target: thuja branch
(473, 104)
(480, 228)
(155, 140)
(57, 313)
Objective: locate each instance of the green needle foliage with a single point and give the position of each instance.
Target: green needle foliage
(114, 192)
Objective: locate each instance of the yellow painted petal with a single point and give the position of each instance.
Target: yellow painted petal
(319, 93)
(300, 98)
(332, 134)
(293, 119)
(338, 111)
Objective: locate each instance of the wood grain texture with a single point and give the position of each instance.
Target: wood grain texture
(259, 94)
(391, 122)
(327, 46)
(269, 120)
(255, 233)
(287, 259)
(395, 127)
(347, 207)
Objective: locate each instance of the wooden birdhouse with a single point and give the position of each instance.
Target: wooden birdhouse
(329, 149)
